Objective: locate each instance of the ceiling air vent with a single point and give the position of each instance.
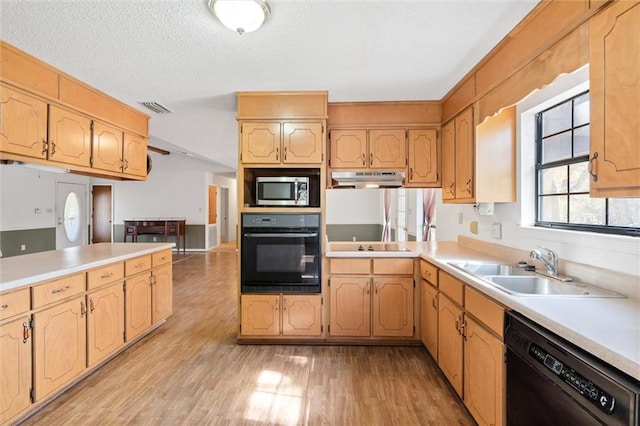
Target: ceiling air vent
(157, 107)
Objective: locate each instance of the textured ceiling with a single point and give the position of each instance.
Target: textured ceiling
(178, 54)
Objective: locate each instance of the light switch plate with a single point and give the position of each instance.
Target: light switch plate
(496, 231)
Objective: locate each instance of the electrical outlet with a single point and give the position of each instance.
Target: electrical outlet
(460, 218)
(23, 247)
(155, 239)
(496, 231)
(353, 238)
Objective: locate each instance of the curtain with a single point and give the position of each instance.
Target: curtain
(429, 208)
(386, 230)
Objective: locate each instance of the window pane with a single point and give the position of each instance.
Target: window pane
(553, 180)
(624, 212)
(556, 147)
(581, 110)
(581, 141)
(579, 177)
(585, 210)
(556, 119)
(71, 220)
(553, 208)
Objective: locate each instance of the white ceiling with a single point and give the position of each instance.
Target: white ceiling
(176, 53)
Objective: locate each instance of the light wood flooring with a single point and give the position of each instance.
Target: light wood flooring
(192, 372)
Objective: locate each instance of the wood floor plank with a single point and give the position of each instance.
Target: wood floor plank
(191, 372)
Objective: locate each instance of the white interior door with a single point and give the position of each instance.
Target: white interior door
(71, 215)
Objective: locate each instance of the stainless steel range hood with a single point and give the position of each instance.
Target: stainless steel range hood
(375, 179)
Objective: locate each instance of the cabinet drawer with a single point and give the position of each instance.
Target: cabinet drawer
(388, 266)
(451, 286)
(104, 275)
(484, 309)
(139, 264)
(58, 290)
(350, 266)
(429, 272)
(160, 258)
(14, 303)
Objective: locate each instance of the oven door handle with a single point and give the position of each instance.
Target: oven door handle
(281, 235)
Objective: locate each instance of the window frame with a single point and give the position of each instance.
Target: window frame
(539, 167)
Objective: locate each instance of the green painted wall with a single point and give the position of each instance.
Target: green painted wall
(34, 240)
(362, 232)
(195, 236)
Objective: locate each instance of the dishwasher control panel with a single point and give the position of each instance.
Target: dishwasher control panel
(585, 387)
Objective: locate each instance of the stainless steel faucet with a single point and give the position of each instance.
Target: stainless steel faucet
(550, 261)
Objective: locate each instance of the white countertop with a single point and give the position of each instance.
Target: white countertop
(608, 328)
(18, 271)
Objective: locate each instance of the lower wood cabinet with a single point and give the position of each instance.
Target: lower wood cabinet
(137, 305)
(429, 318)
(350, 308)
(393, 306)
(161, 293)
(450, 342)
(15, 368)
(105, 323)
(484, 374)
(59, 345)
(281, 315)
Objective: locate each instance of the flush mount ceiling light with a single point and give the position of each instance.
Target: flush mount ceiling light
(243, 16)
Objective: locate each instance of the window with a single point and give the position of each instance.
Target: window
(401, 219)
(562, 183)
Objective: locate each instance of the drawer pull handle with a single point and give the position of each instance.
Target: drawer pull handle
(92, 306)
(45, 147)
(107, 275)
(433, 302)
(53, 148)
(83, 309)
(60, 290)
(3, 307)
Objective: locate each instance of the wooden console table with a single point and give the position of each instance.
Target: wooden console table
(157, 226)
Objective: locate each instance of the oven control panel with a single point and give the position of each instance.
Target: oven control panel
(585, 387)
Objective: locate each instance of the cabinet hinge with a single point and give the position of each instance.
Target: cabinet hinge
(32, 396)
(31, 323)
(406, 134)
(414, 283)
(414, 329)
(241, 127)
(322, 300)
(91, 126)
(240, 328)
(124, 336)
(91, 161)
(328, 329)
(321, 328)
(328, 283)
(124, 287)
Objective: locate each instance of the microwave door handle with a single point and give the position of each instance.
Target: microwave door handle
(281, 235)
(295, 191)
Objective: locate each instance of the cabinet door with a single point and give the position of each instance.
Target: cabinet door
(15, 368)
(614, 76)
(350, 308)
(465, 155)
(161, 293)
(484, 375)
(59, 345)
(429, 319)
(69, 137)
(349, 149)
(424, 158)
(107, 147)
(134, 155)
(23, 124)
(393, 306)
(137, 305)
(301, 315)
(105, 323)
(261, 143)
(450, 342)
(302, 143)
(260, 315)
(387, 149)
(449, 161)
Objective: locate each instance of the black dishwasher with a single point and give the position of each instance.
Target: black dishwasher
(552, 382)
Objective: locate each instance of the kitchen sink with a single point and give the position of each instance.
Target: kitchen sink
(520, 282)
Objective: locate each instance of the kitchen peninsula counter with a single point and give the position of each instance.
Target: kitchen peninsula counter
(608, 328)
(19, 271)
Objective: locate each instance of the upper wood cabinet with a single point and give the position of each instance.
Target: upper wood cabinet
(614, 75)
(424, 158)
(368, 149)
(33, 128)
(480, 168)
(282, 142)
(46, 118)
(117, 151)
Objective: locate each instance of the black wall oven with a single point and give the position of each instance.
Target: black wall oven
(280, 252)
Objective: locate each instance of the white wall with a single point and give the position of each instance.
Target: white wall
(232, 221)
(617, 253)
(354, 206)
(23, 190)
